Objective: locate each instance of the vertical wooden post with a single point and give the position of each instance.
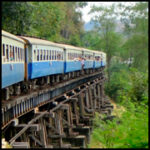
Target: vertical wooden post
(102, 94)
(99, 96)
(95, 97)
(81, 105)
(90, 97)
(76, 112)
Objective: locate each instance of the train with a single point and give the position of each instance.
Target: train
(28, 62)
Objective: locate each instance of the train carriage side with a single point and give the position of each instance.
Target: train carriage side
(12, 59)
(73, 57)
(103, 62)
(97, 59)
(88, 55)
(44, 58)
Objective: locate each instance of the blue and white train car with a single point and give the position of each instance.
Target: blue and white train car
(97, 59)
(88, 55)
(12, 59)
(72, 61)
(103, 61)
(44, 58)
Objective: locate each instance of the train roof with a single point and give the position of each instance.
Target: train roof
(31, 40)
(66, 46)
(88, 50)
(9, 35)
(103, 52)
(96, 51)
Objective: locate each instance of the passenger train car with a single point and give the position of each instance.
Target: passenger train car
(88, 55)
(12, 59)
(26, 60)
(43, 58)
(103, 62)
(72, 58)
(97, 59)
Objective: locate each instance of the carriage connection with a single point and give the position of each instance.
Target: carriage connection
(29, 62)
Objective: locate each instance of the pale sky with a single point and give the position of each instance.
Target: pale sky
(86, 17)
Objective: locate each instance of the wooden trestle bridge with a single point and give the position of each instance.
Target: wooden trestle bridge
(58, 116)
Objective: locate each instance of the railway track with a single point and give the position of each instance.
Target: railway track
(55, 116)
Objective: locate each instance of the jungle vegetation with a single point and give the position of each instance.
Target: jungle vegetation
(127, 57)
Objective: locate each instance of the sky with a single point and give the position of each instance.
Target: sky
(86, 17)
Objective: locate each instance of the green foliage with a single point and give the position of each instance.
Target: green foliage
(127, 83)
(139, 90)
(105, 24)
(91, 40)
(128, 131)
(120, 83)
(16, 17)
(135, 19)
(56, 21)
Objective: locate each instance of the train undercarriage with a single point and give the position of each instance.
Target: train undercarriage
(27, 86)
(56, 116)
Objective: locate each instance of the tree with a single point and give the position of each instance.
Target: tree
(105, 21)
(55, 21)
(135, 19)
(16, 17)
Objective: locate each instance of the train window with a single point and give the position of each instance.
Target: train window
(43, 52)
(52, 55)
(35, 55)
(44, 55)
(40, 54)
(3, 49)
(7, 53)
(89, 57)
(21, 50)
(56, 53)
(18, 54)
(3, 53)
(13, 48)
(11, 53)
(68, 56)
(61, 55)
(47, 55)
(23, 54)
(58, 56)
